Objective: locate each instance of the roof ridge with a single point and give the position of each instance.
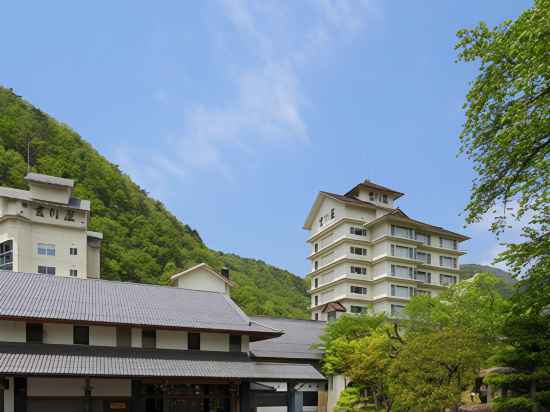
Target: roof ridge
(121, 282)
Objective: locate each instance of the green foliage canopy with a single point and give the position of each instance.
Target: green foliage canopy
(143, 241)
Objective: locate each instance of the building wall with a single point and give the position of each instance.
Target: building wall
(215, 342)
(202, 279)
(50, 193)
(93, 261)
(62, 333)
(70, 387)
(12, 331)
(171, 339)
(102, 336)
(58, 333)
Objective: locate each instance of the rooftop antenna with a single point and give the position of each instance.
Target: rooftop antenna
(28, 155)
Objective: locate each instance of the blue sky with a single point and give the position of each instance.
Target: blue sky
(236, 113)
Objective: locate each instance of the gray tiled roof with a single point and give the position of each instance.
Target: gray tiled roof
(52, 180)
(72, 360)
(296, 342)
(25, 195)
(44, 297)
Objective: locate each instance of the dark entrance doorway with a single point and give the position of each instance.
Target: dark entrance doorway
(187, 397)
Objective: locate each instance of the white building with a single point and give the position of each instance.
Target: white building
(45, 230)
(366, 252)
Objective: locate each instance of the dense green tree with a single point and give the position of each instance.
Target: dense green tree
(507, 135)
(143, 242)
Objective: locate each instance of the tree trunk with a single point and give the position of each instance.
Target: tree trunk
(533, 396)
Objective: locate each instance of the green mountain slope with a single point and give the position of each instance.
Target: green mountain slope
(143, 242)
(470, 269)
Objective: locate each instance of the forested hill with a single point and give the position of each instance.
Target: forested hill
(143, 242)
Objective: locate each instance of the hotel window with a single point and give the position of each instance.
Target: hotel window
(358, 270)
(420, 292)
(35, 333)
(447, 280)
(316, 247)
(44, 249)
(402, 251)
(332, 213)
(357, 309)
(194, 341)
(371, 196)
(448, 262)
(448, 243)
(401, 291)
(316, 265)
(321, 221)
(316, 300)
(46, 270)
(316, 282)
(123, 337)
(73, 273)
(358, 231)
(73, 251)
(424, 257)
(397, 310)
(422, 276)
(385, 198)
(402, 271)
(235, 343)
(358, 290)
(331, 315)
(149, 338)
(358, 251)
(81, 335)
(401, 231)
(6, 255)
(426, 239)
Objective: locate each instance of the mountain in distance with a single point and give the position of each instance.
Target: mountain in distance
(143, 241)
(470, 269)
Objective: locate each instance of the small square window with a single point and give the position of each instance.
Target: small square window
(73, 273)
(235, 343)
(46, 270)
(73, 251)
(81, 335)
(149, 338)
(35, 333)
(123, 337)
(194, 341)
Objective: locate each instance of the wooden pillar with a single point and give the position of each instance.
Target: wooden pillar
(244, 397)
(165, 399)
(87, 396)
(136, 402)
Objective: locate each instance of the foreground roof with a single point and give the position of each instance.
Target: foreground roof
(296, 342)
(93, 301)
(72, 360)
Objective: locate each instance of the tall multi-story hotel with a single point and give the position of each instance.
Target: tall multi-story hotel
(366, 252)
(45, 230)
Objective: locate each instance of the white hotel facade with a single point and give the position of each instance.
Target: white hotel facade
(367, 253)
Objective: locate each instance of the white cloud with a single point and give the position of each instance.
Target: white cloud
(281, 40)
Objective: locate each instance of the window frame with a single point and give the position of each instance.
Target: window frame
(361, 288)
(236, 347)
(38, 329)
(194, 339)
(47, 248)
(120, 338)
(81, 339)
(46, 269)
